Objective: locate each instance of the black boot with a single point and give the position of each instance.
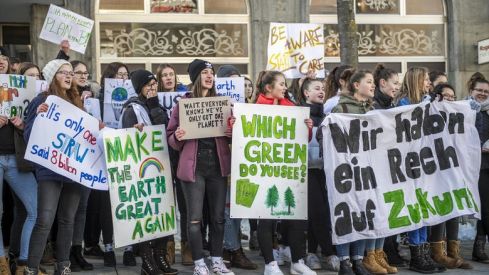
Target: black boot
(74, 266)
(393, 257)
(159, 256)
(429, 260)
(418, 262)
(345, 268)
(478, 253)
(359, 268)
(76, 251)
(149, 267)
(62, 268)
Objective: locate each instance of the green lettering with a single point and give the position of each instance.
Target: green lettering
(445, 206)
(256, 154)
(156, 141)
(289, 128)
(276, 153)
(170, 219)
(120, 214)
(129, 150)
(122, 193)
(160, 185)
(414, 212)
(114, 150)
(461, 194)
(140, 144)
(397, 198)
(138, 230)
(248, 127)
(277, 133)
(422, 198)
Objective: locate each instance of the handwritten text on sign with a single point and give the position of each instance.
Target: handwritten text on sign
(204, 117)
(116, 93)
(232, 87)
(169, 100)
(140, 184)
(62, 24)
(16, 92)
(296, 49)
(70, 146)
(269, 162)
(432, 155)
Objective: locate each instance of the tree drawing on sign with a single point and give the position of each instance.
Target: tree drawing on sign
(289, 199)
(272, 198)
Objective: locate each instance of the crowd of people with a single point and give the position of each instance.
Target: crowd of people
(59, 222)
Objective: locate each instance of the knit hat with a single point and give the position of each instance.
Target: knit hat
(50, 70)
(227, 71)
(139, 78)
(3, 51)
(197, 66)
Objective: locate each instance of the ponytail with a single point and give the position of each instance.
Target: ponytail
(332, 83)
(266, 78)
(354, 77)
(381, 72)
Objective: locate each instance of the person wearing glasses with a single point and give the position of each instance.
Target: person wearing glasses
(56, 193)
(139, 111)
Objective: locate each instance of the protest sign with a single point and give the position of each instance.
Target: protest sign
(205, 116)
(169, 99)
(92, 106)
(69, 148)
(62, 24)
(16, 92)
(232, 87)
(41, 86)
(397, 170)
(116, 93)
(140, 184)
(295, 49)
(269, 162)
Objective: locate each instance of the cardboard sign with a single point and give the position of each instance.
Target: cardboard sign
(116, 93)
(140, 184)
(269, 162)
(204, 117)
(169, 100)
(62, 24)
(295, 49)
(396, 170)
(234, 87)
(483, 51)
(41, 86)
(16, 92)
(92, 106)
(64, 140)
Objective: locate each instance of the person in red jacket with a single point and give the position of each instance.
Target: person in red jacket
(272, 88)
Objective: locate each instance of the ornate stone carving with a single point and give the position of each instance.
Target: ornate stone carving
(209, 41)
(380, 4)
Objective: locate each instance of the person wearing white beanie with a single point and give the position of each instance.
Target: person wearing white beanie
(56, 193)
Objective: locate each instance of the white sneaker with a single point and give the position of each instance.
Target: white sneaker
(201, 270)
(277, 256)
(300, 268)
(313, 262)
(285, 253)
(332, 263)
(219, 268)
(272, 269)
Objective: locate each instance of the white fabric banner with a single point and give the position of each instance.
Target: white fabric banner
(65, 140)
(269, 162)
(140, 184)
(396, 170)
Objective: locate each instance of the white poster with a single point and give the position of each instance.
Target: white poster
(69, 147)
(232, 87)
(483, 51)
(140, 184)
(169, 100)
(396, 170)
(295, 49)
(41, 86)
(92, 106)
(269, 162)
(61, 24)
(16, 92)
(116, 93)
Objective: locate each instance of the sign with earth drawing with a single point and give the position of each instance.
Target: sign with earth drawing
(116, 93)
(269, 162)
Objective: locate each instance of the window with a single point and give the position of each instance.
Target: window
(122, 5)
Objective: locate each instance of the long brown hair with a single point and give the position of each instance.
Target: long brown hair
(70, 95)
(197, 88)
(24, 66)
(266, 78)
(159, 73)
(332, 82)
(413, 85)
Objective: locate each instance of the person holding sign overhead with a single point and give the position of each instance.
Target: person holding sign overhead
(56, 194)
(272, 88)
(203, 168)
(139, 111)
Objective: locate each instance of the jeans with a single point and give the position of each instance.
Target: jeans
(357, 250)
(374, 244)
(208, 183)
(24, 186)
(232, 240)
(418, 236)
(55, 198)
(81, 216)
(295, 238)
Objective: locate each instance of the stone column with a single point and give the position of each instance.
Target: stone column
(262, 13)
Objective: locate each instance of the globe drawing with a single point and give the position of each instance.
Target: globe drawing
(119, 94)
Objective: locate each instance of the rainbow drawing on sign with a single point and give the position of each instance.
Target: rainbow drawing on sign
(147, 163)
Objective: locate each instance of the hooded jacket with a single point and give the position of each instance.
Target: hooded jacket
(350, 105)
(156, 112)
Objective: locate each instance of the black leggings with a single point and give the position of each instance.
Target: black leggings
(437, 232)
(296, 238)
(483, 223)
(99, 218)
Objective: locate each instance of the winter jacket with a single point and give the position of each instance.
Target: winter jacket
(188, 150)
(350, 105)
(382, 101)
(156, 112)
(315, 159)
(42, 173)
(482, 125)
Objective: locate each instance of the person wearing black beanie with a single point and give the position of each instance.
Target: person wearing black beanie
(196, 67)
(139, 111)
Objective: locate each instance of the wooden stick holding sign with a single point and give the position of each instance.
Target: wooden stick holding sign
(204, 117)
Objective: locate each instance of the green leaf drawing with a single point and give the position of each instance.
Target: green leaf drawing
(289, 199)
(246, 192)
